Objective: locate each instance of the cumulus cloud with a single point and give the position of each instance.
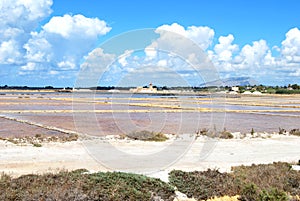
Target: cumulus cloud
(202, 35)
(123, 58)
(17, 19)
(224, 49)
(58, 46)
(64, 41)
(76, 26)
(296, 73)
(9, 52)
(29, 66)
(23, 14)
(252, 55)
(291, 46)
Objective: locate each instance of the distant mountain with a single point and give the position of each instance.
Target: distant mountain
(233, 81)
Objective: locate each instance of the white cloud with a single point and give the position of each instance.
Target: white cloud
(123, 58)
(64, 41)
(162, 63)
(151, 52)
(53, 72)
(9, 53)
(224, 49)
(76, 26)
(201, 35)
(17, 19)
(296, 73)
(66, 64)
(97, 61)
(24, 14)
(254, 55)
(290, 49)
(94, 67)
(38, 49)
(30, 66)
(59, 44)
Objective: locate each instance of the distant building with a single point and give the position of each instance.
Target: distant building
(236, 89)
(150, 89)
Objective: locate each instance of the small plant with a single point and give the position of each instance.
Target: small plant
(37, 145)
(295, 132)
(38, 135)
(273, 195)
(282, 131)
(226, 134)
(148, 136)
(203, 185)
(203, 131)
(249, 192)
(122, 136)
(252, 132)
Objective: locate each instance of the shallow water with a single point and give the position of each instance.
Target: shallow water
(104, 113)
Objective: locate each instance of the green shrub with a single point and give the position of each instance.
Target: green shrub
(249, 192)
(78, 185)
(203, 185)
(295, 132)
(250, 182)
(214, 134)
(273, 195)
(37, 145)
(147, 136)
(225, 134)
(252, 132)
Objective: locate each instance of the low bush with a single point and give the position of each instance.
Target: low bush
(41, 138)
(214, 134)
(273, 195)
(77, 185)
(256, 182)
(225, 134)
(295, 132)
(147, 136)
(203, 185)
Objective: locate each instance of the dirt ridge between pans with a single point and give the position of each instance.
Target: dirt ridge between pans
(52, 128)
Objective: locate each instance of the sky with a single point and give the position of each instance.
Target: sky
(52, 42)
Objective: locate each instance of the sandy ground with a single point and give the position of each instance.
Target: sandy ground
(26, 159)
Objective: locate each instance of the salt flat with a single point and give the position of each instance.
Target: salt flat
(17, 160)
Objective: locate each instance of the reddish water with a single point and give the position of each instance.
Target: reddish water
(123, 119)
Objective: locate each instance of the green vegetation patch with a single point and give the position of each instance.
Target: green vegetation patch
(38, 139)
(204, 184)
(225, 134)
(275, 181)
(78, 185)
(147, 136)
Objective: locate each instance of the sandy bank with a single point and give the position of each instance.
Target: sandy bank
(17, 160)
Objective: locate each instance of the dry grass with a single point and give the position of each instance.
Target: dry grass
(214, 134)
(147, 136)
(225, 198)
(39, 139)
(275, 181)
(77, 185)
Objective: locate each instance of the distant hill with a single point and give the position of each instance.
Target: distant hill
(233, 81)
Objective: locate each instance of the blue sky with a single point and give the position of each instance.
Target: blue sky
(260, 39)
